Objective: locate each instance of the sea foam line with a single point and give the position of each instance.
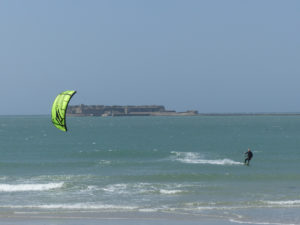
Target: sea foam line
(259, 223)
(29, 187)
(169, 192)
(75, 206)
(195, 158)
(283, 203)
(143, 188)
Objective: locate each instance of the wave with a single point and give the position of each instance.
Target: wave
(29, 187)
(195, 158)
(169, 192)
(289, 203)
(207, 206)
(145, 188)
(75, 206)
(258, 223)
(116, 188)
(104, 162)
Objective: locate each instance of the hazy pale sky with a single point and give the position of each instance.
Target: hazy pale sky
(211, 56)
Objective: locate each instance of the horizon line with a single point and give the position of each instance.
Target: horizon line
(199, 114)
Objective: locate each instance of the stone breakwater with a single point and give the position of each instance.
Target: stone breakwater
(145, 110)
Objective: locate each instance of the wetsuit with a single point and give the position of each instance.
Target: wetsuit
(249, 157)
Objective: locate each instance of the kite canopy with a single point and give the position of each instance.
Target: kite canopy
(59, 109)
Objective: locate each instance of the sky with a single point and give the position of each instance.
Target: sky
(206, 55)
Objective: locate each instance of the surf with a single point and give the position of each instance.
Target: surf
(29, 187)
(196, 158)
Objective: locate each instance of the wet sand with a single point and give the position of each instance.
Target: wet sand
(108, 221)
(26, 218)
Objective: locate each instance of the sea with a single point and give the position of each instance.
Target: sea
(175, 166)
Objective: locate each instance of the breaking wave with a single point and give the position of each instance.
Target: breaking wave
(195, 158)
(29, 187)
(75, 206)
(289, 203)
(144, 188)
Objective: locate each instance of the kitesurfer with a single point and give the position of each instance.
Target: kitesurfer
(248, 157)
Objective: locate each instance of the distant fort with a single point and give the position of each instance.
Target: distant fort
(145, 110)
(150, 110)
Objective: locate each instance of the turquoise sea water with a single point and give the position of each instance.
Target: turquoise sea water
(175, 165)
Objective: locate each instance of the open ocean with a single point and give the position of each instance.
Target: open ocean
(175, 166)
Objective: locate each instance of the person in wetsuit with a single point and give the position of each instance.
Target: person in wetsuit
(249, 156)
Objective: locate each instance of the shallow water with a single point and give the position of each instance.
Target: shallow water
(190, 165)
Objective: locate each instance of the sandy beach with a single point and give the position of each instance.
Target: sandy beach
(108, 219)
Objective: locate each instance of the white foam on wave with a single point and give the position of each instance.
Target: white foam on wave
(258, 223)
(116, 188)
(290, 203)
(195, 158)
(144, 188)
(169, 192)
(75, 206)
(149, 210)
(29, 187)
(104, 162)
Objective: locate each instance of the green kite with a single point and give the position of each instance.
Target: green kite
(59, 109)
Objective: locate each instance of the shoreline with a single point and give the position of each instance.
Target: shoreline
(74, 217)
(109, 218)
(125, 218)
(107, 221)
